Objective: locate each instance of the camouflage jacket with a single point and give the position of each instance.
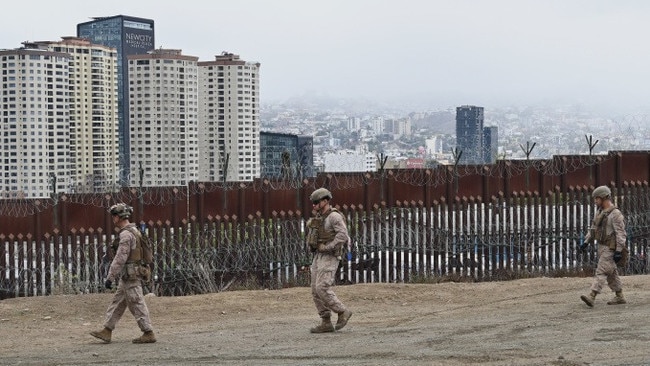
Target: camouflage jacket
(128, 242)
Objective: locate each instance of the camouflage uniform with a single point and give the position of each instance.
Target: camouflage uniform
(606, 271)
(129, 290)
(324, 266)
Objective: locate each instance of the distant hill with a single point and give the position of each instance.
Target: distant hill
(443, 122)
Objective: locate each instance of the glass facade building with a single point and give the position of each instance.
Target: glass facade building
(129, 36)
(286, 156)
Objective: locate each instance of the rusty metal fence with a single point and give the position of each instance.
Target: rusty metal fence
(518, 235)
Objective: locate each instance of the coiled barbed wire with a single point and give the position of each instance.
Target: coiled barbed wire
(504, 238)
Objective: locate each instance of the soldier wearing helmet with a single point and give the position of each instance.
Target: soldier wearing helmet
(608, 230)
(328, 235)
(124, 270)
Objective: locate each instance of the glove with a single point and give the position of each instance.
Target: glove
(617, 256)
(108, 284)
(583, 246)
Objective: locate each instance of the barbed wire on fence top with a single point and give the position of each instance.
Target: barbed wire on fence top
(433, 177)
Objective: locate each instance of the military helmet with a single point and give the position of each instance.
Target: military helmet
(601, 192)
(122, 210)
(320, 194)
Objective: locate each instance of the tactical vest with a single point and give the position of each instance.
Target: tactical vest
(134, 268)
(135, 256)
(317, 234)
(600, 229)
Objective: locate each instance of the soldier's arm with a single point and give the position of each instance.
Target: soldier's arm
(120, 258)
(619, 229)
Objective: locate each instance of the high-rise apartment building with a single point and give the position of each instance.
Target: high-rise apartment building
(469, 134)
(163, 117)
(229, 131)
(129, 36)
(92, 75)
(35, 157)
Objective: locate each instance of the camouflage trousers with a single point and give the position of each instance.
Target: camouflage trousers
(323, 271)
(606, 271)
(128, 295)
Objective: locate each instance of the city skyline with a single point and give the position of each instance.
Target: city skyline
(437, 53)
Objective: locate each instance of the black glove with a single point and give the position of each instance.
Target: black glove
(583, 246)
(108, 284)
(617, 256)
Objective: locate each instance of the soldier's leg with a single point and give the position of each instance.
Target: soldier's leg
(322, 309)
(325, 280)
(137, 305)
(116, 307)
(603, 269)
(614, 281)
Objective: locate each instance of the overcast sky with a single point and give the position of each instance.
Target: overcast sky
(484, 52)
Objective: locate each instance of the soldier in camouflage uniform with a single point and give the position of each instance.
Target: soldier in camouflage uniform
(129, 289)
(608, 229)
(327, 236)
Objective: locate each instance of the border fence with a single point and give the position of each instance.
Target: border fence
(487, 235)
(520, 235)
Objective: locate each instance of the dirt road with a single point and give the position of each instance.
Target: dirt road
(523, 322)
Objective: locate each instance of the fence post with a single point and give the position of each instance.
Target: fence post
(506, 177)
(485, 184)
(390, 185)
(563, 174)
(541, 185)
(618, 171)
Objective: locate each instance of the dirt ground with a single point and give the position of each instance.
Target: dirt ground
(523, 322)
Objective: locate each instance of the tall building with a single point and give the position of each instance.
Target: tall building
(129, 36)
(229, 130)
(399, 127)
(34, 123)
(490, 144)
(469, 134)
(92, 88)
(286, 156)
(163, 115)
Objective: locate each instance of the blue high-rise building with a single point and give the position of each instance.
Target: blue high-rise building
(129, 36)
(469, 134)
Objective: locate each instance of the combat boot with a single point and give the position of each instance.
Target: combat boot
(618, 299)
(146, 337)
(325, 326)
(590, 299)
(343, 319)
(104, 335)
